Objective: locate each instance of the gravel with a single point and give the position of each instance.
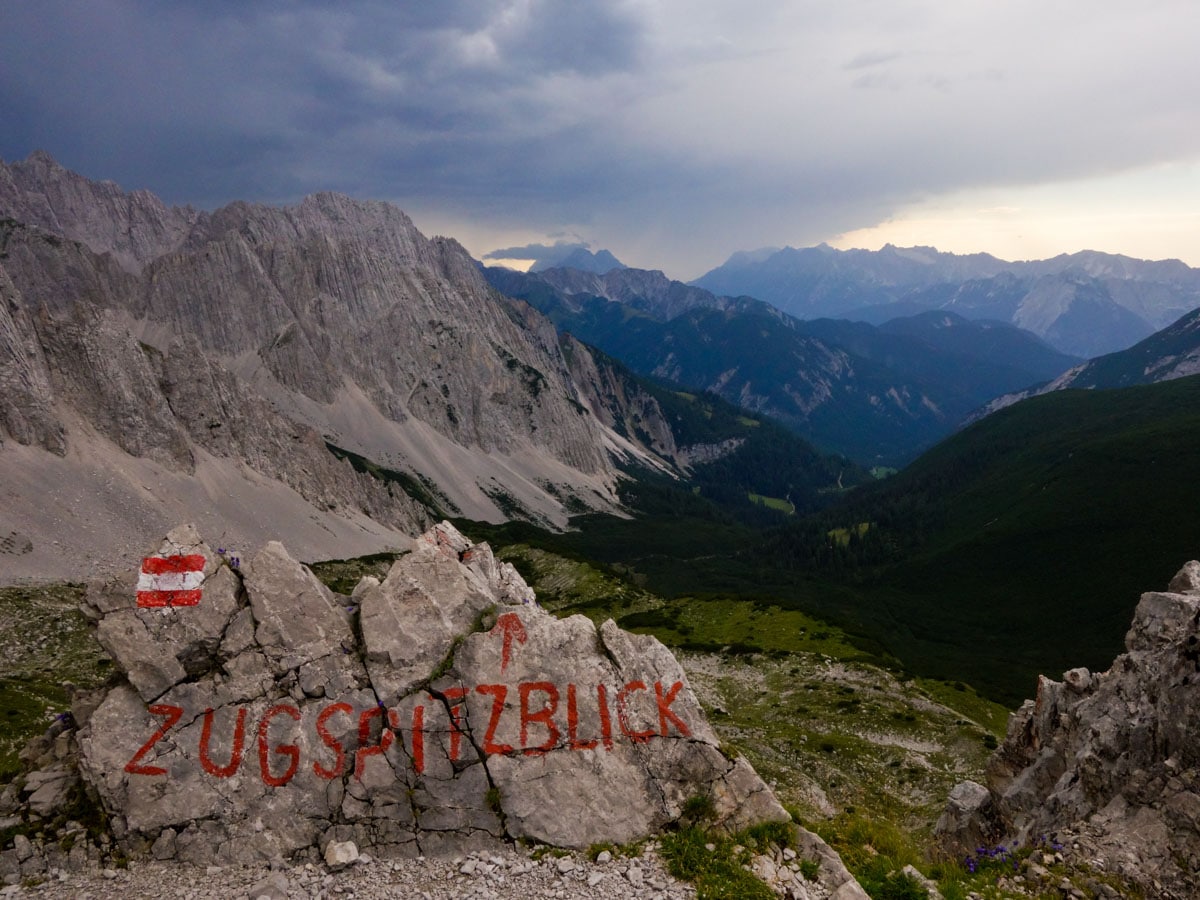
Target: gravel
(484, 875)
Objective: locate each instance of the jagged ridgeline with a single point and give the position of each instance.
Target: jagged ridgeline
(876, 394)
(1014, 547)
(321, 373)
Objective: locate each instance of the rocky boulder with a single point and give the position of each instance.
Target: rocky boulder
(260, 715)
(1107, 762)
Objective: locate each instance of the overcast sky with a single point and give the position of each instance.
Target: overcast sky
(671, 133)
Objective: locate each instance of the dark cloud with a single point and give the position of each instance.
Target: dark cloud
(559, 249)
(671, 132)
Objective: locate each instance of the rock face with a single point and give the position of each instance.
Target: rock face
(1109, 761)
(261, 715)
(258, 335)
(134, 227)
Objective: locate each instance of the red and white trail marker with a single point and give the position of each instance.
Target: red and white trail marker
(170, 580)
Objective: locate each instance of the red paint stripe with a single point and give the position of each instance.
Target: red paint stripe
(170, 565)
(168, 598)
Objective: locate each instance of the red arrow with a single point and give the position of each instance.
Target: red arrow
(509, 625)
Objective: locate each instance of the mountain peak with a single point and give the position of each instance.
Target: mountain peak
(134, 227)
(42, 157)
(580, 258)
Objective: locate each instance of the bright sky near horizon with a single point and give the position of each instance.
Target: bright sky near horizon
(671, 133)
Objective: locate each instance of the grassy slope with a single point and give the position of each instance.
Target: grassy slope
(1045, 523)
(45, 643)
(825, 721)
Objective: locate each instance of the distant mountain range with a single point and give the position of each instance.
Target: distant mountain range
(876, 394)
(1084, 304)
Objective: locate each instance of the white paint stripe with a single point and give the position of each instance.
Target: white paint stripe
(170, 581)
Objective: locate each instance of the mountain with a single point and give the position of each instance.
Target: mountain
(1083, 304)
(648, 291)
(876, 395)
(1072, 311)
(321, 372)
(580, 258)
(161, 364)
(821, 281)
(1038, 522)
(134, 227)
(1171, 353)
(984, 340)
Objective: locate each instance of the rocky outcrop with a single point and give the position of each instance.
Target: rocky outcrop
(260, 715)
(1109, 762)
(134, 227)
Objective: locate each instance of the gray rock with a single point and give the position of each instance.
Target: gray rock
(23, 847)
(428, 601)
(340, 853)
(165, 846)
(297, 618)
(930, 887)
(1106, 757)
(26, 395)
(274, 887)
(49, 788)
(161, 646)
(1078, 680)
(464, 715)
(969, 819)
(1187, 579)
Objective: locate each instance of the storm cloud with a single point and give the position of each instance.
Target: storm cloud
(672, 133)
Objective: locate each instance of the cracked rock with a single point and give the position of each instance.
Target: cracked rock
(260, 720)
(1106, 761)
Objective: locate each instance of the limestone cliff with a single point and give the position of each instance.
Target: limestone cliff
(256, 334)
(134, 227)
(1108, 762)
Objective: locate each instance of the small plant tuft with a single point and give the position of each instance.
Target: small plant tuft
(492, 800)
(900, 886)
(717, 873)
(594, 850)
(760, 837)
(698, 808)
